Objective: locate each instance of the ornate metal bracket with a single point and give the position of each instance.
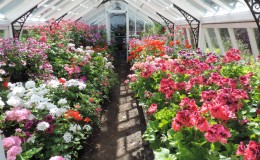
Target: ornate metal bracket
(60, 18)
(17, 25)
(254, 6)
(154, 21)
(192, 21)
(170, 24)
(103, 2)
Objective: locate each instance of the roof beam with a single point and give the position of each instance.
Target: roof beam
(4, 3)
(67, 8)
(147, 13)
(21, 9)
(46, 16)
(188, 7)
(156, 9)
(169, 8)
(204, 5)
(45, 8)
(86, 11)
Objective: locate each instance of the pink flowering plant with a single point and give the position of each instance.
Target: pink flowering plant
(24, 60)
(12, 57)
(200, 105)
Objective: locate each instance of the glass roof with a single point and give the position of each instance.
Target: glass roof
(74, 9)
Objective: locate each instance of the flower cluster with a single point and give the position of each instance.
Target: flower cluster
(250, 152)
(13, 146)
(198, 102)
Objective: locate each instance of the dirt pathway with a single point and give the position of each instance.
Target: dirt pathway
(122, 126)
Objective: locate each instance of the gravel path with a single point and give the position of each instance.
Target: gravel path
(122, 126)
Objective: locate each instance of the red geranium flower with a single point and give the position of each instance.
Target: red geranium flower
(87, 120)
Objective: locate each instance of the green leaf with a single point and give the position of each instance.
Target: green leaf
(163, 154)
(28, 154)
(256, 131)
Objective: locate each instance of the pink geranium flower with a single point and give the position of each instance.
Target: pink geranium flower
(57, 158)
(152, 109)
(216, 133)
(11, 141)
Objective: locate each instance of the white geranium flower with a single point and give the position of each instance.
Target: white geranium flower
(31, 139)
(15, 101)
(57, 112)
(67, 137)
(82, 86)
(67, 157)
(87, 127)
(73, 128)
(19, 91)
(53, 83)
(30, 84)
(79, 127)
(31, 117)
(1, 102)
(88, 47)
(49, 106)
(62, 101)
(40, 106)
(42, 126)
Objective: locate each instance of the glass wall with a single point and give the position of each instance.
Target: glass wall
(2, 33)
(257, 36)
(213, 38)
(225, 38)
(242, 39)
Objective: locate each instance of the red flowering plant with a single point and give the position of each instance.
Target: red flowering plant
(205, 104)
(158, 45)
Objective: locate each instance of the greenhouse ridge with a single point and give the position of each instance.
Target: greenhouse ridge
(129, 79)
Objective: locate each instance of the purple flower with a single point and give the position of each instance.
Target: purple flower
(49, 118)
(50, 129)
(28, 124)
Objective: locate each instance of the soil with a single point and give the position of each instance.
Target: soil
(122, 125)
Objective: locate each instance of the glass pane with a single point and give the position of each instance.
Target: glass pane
(2, 33)
(243, 40)
(184, 34)
(225, 38)
(192, 38)
(139, 26)
(131, 25)
(257, 36)
(212, 4)
(213, 38)
(10, 6)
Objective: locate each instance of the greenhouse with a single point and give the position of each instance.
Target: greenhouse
(129, 79)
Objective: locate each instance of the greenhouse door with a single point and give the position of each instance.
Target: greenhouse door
(118, 32)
